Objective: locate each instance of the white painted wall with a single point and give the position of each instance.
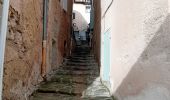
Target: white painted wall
(169, 5)
(80, 21)
(82, 9)
(140, 60)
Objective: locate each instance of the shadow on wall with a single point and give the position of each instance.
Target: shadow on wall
(149, 78)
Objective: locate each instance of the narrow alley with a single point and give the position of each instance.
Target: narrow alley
(76, 79)
(84, 49)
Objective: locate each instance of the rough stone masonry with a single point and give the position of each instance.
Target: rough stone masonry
(23, 57)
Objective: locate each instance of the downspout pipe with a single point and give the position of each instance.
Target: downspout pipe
(44, 42)
(3, 32)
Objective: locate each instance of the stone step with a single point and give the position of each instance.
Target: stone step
(67, 88)
(86, 55)
(81, 50)
(79, 60)
(79, 68)
(82, 56)
(81, 53)
(83, 74)
(99, 98)
(97, 91)
(68, 79)
(77, 79)
(77, 72)
(78, 55)
(80, 64)
(67, 68)
(86, 80)
(70, 62)
(53, 96)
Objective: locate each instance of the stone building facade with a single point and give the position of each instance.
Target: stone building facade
(23, 54)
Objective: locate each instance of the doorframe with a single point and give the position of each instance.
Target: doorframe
(107, 83)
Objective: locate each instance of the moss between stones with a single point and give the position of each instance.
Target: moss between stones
(114, 98)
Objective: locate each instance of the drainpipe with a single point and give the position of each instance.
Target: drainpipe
(3, 32)
(44, 43)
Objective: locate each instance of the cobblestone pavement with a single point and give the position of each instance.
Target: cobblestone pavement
(76, 79)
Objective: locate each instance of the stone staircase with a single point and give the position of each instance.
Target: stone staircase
(77, 79)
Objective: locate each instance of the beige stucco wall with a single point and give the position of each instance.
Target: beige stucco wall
(140, 63)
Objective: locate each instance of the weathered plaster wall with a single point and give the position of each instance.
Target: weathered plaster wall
(149, 77)
(23, 49)
(59, 30)
(139, 49)
(23, 57)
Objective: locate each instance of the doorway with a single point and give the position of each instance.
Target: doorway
(105, 58)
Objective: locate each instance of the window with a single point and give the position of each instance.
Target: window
(74, 16)
(74, 24)
(88, 8)
(88, 1)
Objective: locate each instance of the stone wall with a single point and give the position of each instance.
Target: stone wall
(59, 30)
(23, 57)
